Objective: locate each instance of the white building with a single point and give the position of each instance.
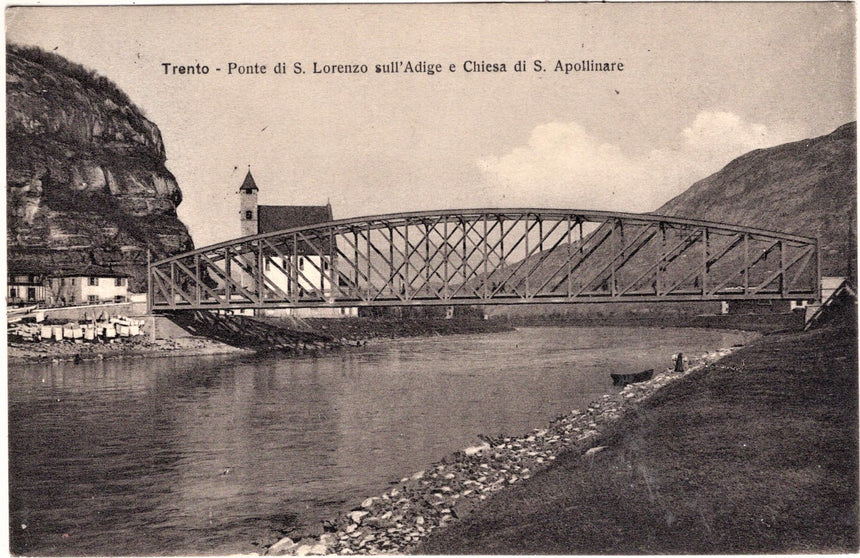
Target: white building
(88, 285)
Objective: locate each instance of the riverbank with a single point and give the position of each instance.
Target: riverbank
(297, 336)
(62, 351)
(757, 453)
(366, 329)
(763, 323)
(405, 515)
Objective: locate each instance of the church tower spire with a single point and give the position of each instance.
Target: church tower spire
(248, 216)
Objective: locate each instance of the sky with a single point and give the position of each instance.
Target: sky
(701, 84)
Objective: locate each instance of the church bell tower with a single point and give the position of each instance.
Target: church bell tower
(248, 205)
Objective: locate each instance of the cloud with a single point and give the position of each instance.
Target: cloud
(725, 135)
(563, 165)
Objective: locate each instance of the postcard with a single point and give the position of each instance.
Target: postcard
(483, 278)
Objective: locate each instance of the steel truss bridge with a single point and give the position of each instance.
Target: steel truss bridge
(489, 256)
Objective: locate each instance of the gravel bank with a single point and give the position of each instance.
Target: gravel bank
(36, 352)
(405, 515)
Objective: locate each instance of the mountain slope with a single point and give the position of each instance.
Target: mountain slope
(86, 181)
(808, 188)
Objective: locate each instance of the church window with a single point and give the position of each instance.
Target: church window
(249, 215)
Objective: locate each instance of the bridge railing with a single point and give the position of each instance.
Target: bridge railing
(489, 256)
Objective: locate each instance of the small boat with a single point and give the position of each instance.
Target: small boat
(624, 379)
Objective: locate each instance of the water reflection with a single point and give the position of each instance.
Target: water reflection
(207, 455)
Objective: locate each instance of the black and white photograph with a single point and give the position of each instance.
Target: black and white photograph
(431, 278)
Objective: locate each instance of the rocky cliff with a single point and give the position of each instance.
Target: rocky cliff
(808, 187)
(86, 181)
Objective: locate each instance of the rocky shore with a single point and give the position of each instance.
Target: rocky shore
(35, 352)
(405, 515)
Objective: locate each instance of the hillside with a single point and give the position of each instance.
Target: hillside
(808, 188)
(86, 181)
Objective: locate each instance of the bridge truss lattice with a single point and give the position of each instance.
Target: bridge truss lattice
(489, 256)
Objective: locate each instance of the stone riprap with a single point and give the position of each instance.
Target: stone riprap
(406, 514)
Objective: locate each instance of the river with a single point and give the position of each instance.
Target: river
(216, 455)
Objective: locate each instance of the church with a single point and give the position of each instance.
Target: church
(260, 219)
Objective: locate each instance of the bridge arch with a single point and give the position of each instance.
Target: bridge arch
(489, 256)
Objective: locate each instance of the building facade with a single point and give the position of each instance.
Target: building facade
(87, 285)
(26, 289)
(90, 285)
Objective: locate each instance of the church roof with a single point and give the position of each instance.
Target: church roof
(271, 218)
(248, 185)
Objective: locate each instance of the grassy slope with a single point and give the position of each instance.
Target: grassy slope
(757, 453)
